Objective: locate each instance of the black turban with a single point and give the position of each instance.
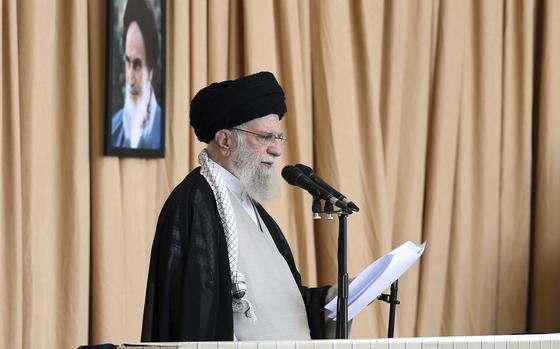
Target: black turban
(227, 104)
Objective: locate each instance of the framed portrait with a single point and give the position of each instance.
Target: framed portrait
(135, 115)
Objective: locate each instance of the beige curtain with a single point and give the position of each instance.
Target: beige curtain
(45, 201)
(545, 264)
(438, 118)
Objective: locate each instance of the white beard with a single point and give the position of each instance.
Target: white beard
(260, 182)
(134, 115)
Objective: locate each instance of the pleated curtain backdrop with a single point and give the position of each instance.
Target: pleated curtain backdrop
(439, 118)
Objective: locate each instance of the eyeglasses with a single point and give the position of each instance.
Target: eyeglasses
(266, 138)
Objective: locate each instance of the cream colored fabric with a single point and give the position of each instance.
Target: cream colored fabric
(271, 288)
(545, 312)
(45, 198)
(439, 118)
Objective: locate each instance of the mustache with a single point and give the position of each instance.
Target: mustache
(268, 159)
(134, 89)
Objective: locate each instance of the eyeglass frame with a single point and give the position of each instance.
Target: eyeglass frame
(278, 139)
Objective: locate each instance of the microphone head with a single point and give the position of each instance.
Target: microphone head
(305, 169)
(353, 206)
(289, 173)
(294, 176)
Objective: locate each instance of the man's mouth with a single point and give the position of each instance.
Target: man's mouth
(134, 91)
(267, 164)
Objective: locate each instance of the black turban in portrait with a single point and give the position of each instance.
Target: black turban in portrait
(227, 104)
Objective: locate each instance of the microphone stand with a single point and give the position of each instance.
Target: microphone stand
(342, 305)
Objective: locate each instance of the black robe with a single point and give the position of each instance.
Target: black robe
(188, 297)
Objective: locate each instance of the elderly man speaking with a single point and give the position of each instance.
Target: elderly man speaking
(220, 267)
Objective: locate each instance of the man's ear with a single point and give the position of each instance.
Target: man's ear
(225, 142)
(151, 74)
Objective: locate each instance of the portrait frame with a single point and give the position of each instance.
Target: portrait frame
(132, 98)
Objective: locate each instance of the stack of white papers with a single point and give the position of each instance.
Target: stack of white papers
(377, 277)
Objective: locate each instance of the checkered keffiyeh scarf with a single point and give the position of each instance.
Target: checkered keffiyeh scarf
(209, 169)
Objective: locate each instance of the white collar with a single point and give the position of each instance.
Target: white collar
(233, 184)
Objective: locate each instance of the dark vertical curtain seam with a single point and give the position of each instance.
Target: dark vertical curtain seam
(537, 72)
(429, 140)
(90, 170)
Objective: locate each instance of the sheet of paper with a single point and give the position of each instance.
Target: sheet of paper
(377, 277)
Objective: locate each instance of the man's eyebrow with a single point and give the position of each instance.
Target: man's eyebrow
(281, 133)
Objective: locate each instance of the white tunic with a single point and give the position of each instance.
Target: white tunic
(271, 287)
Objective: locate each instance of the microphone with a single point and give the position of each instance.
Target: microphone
(295, 176)
(308, 171)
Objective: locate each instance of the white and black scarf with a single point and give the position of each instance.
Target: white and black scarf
(210, 171)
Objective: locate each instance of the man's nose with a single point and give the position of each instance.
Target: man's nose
(274, 149)
(130, 76)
